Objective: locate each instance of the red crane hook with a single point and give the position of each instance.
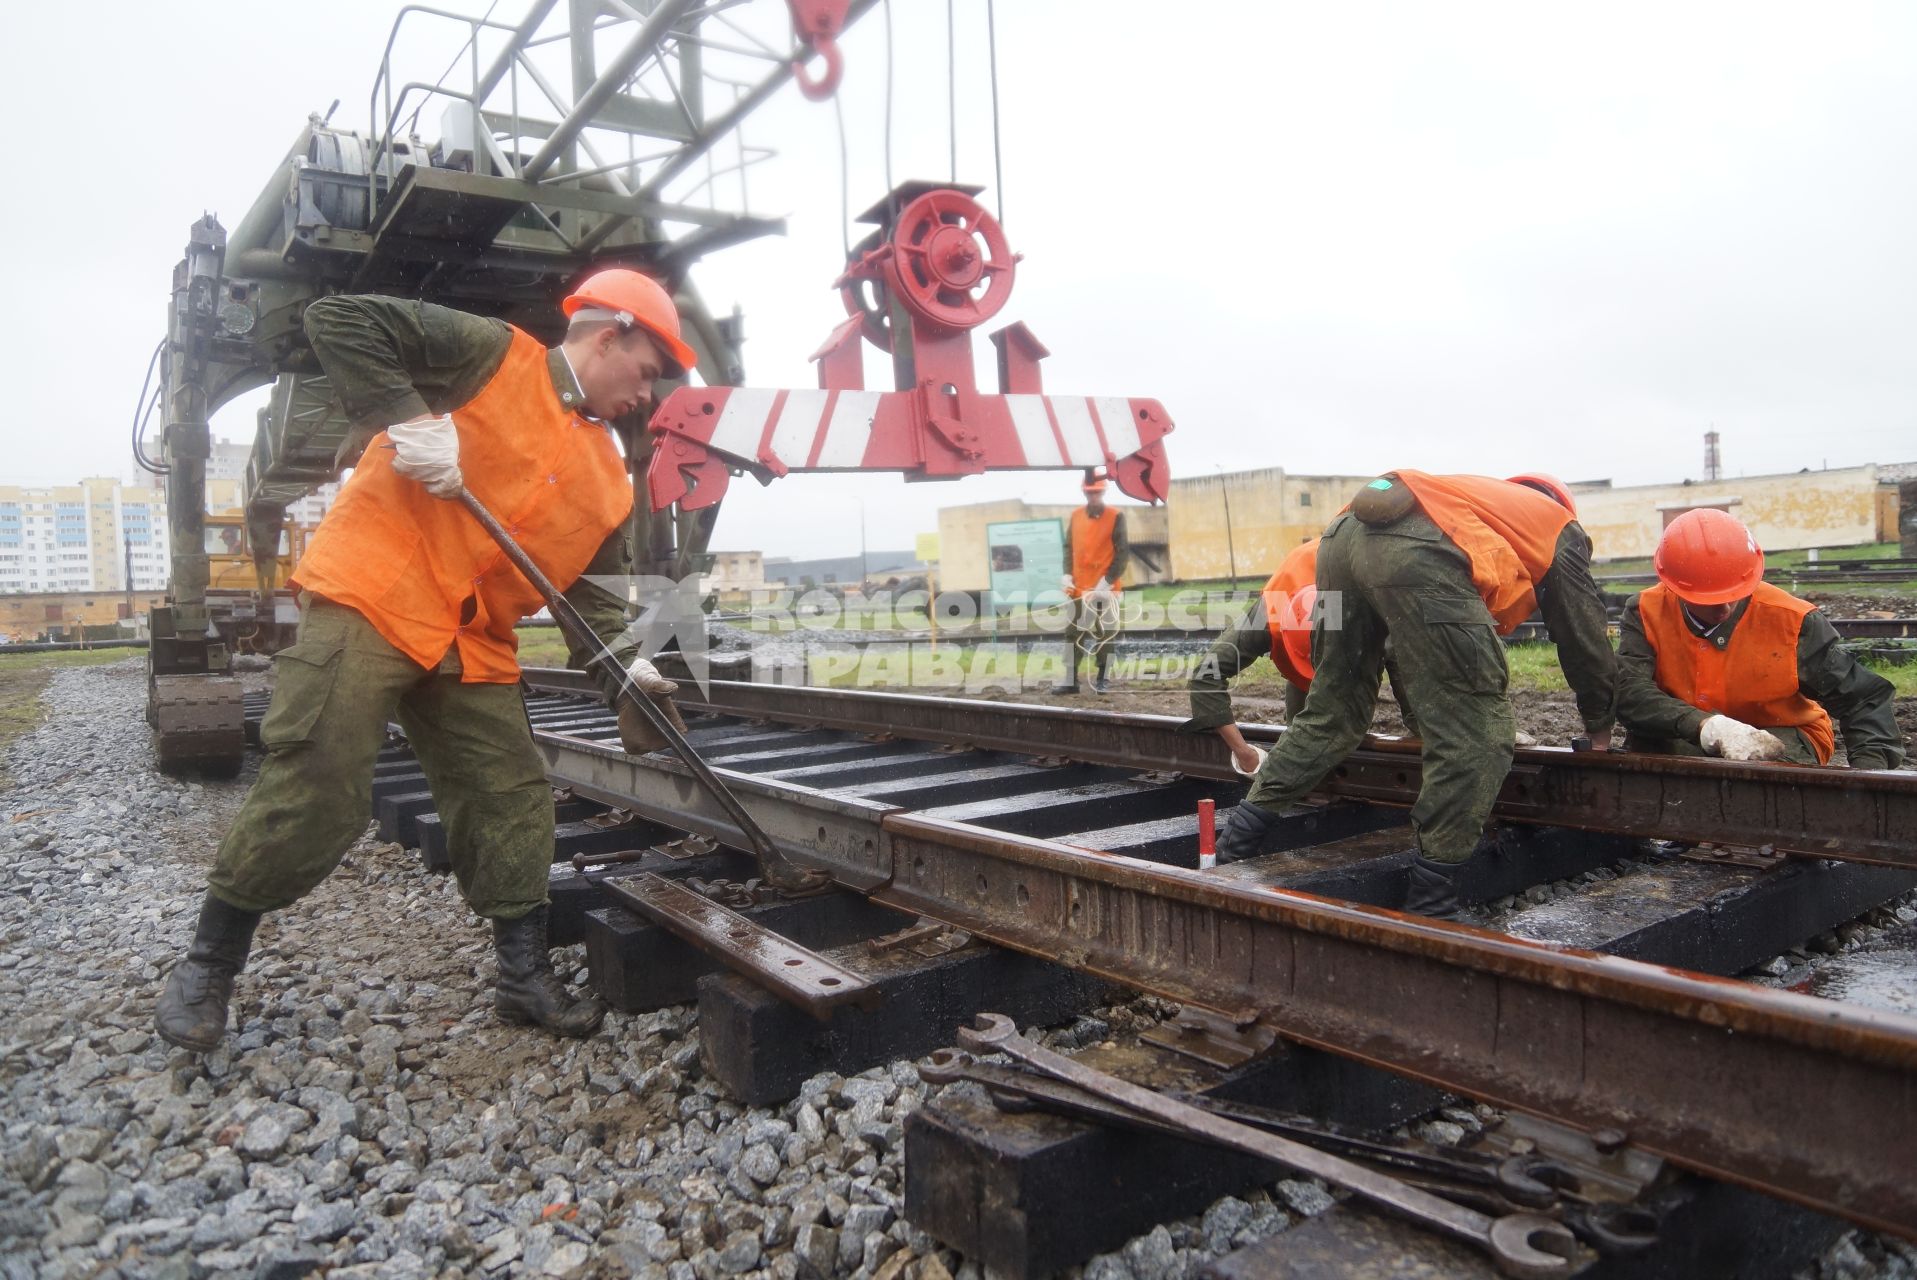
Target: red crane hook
(817, 24)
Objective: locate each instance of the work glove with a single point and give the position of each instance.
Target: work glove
(1066, 584)
(636, 732)
(1102, 596)
(1243, 835)
(427, 450)
(1735, 740)
(1257, 757)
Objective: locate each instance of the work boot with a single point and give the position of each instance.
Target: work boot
(1433, 891)
(1243, 833)
(192, 1009)
(529, 991)
(1064, 688)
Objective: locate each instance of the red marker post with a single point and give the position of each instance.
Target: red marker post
(1207, 835)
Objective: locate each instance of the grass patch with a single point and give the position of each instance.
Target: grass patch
(22, 678)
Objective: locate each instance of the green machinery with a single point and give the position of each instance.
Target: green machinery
(589, 134)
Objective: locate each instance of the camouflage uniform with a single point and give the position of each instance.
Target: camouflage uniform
(1408, 581)
(340, 685)
(1859, 701)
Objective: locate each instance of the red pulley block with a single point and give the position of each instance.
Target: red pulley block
(949, 262)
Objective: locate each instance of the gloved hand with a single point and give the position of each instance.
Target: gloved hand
(636, 732)
(1102, 596)
(427, 450)
(1066, 584)
(1248, 764)
(1735, 740)
(1243, 835)
(1524, 739)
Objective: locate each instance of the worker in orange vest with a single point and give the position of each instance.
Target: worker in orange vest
(1442, 565)
(408, 610)
(1713, 660)
(1279, 628)
(1096, 554)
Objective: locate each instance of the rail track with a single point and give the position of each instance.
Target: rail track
(1065, 839)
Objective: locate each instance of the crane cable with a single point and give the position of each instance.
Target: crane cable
(998, 164)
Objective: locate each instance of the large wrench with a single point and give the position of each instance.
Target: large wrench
(1509, 1240)
(1527, 1181)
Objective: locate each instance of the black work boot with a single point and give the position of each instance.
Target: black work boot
(1433, 891)
(1242, 834)
(192, 1009)
(530, 993)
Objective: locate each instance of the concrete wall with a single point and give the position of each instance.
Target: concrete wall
(1270, 512)
(963, 562)
(1833, 508)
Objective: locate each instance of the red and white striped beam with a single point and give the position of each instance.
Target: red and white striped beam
(703, 432)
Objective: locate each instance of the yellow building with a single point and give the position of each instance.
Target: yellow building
(25, 617)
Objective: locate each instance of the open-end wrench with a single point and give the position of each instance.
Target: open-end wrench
(1526, 1245)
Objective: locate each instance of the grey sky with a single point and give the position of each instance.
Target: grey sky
(1328, 237)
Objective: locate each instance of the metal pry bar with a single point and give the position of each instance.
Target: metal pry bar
(779, 870)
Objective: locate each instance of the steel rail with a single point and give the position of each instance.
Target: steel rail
(1851, 815)
(1798, 1097)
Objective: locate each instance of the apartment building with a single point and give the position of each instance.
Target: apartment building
(80, 537)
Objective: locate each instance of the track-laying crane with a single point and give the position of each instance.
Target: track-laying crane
(587, 135)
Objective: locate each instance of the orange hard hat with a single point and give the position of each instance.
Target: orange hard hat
(1548, 485)
(1708, 557)
(628, 298)
(1094, 481)
(1295, 627)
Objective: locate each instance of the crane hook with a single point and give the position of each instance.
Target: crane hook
(828, 84)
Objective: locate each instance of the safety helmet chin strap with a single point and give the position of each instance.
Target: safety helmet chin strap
(623, 319)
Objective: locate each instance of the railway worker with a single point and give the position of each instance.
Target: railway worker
(1713, 660)
(408, 610)
(1096, 554)
(1442, 565)
(1278, 627)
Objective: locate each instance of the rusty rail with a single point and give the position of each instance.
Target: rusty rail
(1855, 816)
(1797, 1097)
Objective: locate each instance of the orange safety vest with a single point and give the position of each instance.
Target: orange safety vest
(411, 563)
(1509, 533)
(1296, 571)
(1753, 678)
(1092, 549)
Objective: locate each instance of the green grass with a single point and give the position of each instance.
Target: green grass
(22, 678)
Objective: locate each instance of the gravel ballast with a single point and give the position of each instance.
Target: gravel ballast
(368, 1117)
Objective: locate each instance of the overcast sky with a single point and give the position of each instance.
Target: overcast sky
(1333, 238)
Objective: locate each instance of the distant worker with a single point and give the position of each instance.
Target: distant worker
(1096, 554)
(408, 611)
(1442, 565)
(1713, 660)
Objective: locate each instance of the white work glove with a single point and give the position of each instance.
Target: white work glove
(1259, 752)
(1102, 594)
(637, 734)
(427, 450)
(1735, 740)
(1524, 739)
(647, 677)
(1066, 584)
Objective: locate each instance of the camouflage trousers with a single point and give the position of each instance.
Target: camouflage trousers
(334, 693)
(1407, 581)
